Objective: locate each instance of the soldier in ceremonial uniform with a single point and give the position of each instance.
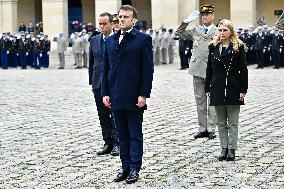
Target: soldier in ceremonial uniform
(172, 46)
(250, 41)
(31, 49)
(201, 35)
(185, 46)
(85, 46)
(276, 43)
(14, 52)
(156, 41)
(5, 51)
(77, 50)
(61, 48)
(266, 50)
(46, 51)
(23, 51)
(164, 46)
(259, 47)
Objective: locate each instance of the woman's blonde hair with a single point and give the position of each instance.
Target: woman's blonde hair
(233, 38)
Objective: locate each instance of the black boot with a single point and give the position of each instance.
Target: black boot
(231, 155)
(223, 155)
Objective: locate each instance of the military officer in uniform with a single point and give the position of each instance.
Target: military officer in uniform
(276, 43)
(85, 46)
(23, 51)
(77, 50)
(61, 48)
(201, 35)
(156, 41)
(164, 46)
(259, 47)
(266, 50)
(172, 46)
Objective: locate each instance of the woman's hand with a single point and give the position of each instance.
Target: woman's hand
(242, 96)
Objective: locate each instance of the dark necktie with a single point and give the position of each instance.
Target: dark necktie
(205, 30)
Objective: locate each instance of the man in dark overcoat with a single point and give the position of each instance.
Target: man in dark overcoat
(126, 83)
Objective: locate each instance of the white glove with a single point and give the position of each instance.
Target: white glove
(268, 48)
(193, 16)
(17, 54)
(40, 54)
(48, 52)
(251, 48)
(264, 50)
(280, 50)
(8, 52)
(82, 52)
(27, 53)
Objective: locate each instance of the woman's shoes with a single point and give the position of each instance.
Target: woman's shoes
(223, 155)
(227, 154)
(231, 155)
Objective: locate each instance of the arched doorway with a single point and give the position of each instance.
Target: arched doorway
(75, 13)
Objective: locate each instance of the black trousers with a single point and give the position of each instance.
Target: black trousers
(259, 58)
(275, 57)
(129, 128)
(183, 59)
(108, 127)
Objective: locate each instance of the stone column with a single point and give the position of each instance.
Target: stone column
(55, 17)
(243, 13)
(9, 16)
(110, 6)
(164, 13)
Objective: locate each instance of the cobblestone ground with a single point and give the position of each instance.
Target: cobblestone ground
(49, 133)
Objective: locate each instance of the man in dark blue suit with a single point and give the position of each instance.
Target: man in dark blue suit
(126, 83)
(97, 48)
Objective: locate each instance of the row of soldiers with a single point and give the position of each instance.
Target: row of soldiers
(264, 46)
(22, 49)
(164, 44)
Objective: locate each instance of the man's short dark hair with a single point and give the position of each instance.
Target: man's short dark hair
(129, 8)
(108, 15)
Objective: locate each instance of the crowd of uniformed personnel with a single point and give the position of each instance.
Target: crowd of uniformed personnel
(264, 46)
(23, 49)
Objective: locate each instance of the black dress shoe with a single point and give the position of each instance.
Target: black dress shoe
(105, 150)
(115, 151)
(230, 155)
(276, 67)
(132, 178)
(78, 67)
(122, 175)
(201, 134)
(211, 135)
(223, 155)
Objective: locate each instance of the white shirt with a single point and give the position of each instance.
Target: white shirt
(121, 35)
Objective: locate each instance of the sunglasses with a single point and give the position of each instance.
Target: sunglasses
(223, 30)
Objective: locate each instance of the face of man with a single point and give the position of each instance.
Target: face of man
(126, 20)
(105, 25)
(207, 18)
(116, 26)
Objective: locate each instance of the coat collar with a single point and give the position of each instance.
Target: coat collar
(132, 33)
(228, 51)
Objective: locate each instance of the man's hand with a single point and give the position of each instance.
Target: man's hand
(141, 101)
(106, 101)
(193, 16)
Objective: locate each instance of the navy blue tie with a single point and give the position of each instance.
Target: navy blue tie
(205, 30)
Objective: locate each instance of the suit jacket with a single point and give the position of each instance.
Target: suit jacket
(95, 61)
(127, 69)
(226, 75)
(198, 61)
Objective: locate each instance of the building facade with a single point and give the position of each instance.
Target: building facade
(56, 14)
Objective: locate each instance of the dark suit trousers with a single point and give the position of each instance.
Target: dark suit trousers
(129, 130)
(275, 57)
(259, 58)
(107, 125)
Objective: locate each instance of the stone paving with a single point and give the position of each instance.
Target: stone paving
(49, 133)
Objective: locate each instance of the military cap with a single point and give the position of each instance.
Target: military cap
(245, 30)
(265, 27)
(259, 27)
(207, 8)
